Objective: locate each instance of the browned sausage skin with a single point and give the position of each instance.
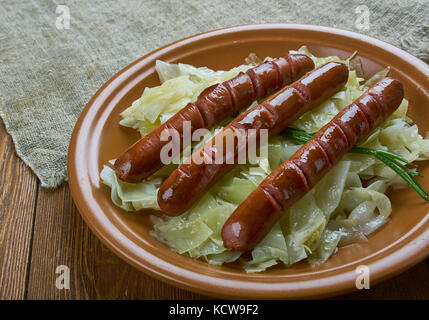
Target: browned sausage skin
(255, 216)
(214, 104)
(174, 196)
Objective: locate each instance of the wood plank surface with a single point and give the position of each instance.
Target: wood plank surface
(18, 192)
(40, 229)
(95, 272)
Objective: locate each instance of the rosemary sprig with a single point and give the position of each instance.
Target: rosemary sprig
(395, 162)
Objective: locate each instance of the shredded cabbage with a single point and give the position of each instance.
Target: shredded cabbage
(131, 196)
(338, 211)
(181, 84)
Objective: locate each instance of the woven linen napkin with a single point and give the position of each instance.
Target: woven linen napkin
(50, 65)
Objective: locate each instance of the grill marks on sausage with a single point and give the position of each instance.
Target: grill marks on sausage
(295, 177)
(382, 107)
(352, 129)
(292, 70)
(371, 107)
(284, 66)
(233, 96)
(257, 85)
(270, 193)
(334, 141)
(214, 104)
(288, 173)
(273, 115)
(265, 79)
(312, 161)
(386, 95)
(279, 75)
(303, 91)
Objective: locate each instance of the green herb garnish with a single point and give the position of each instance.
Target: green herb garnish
(395, 162)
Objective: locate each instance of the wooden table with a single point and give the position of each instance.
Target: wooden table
(40, 229)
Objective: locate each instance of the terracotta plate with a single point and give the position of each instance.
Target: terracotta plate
(98, 137)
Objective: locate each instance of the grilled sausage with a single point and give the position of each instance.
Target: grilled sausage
(203, 169)
(255, 216)
(214, 104)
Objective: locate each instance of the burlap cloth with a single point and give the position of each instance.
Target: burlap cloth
(49, 74)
